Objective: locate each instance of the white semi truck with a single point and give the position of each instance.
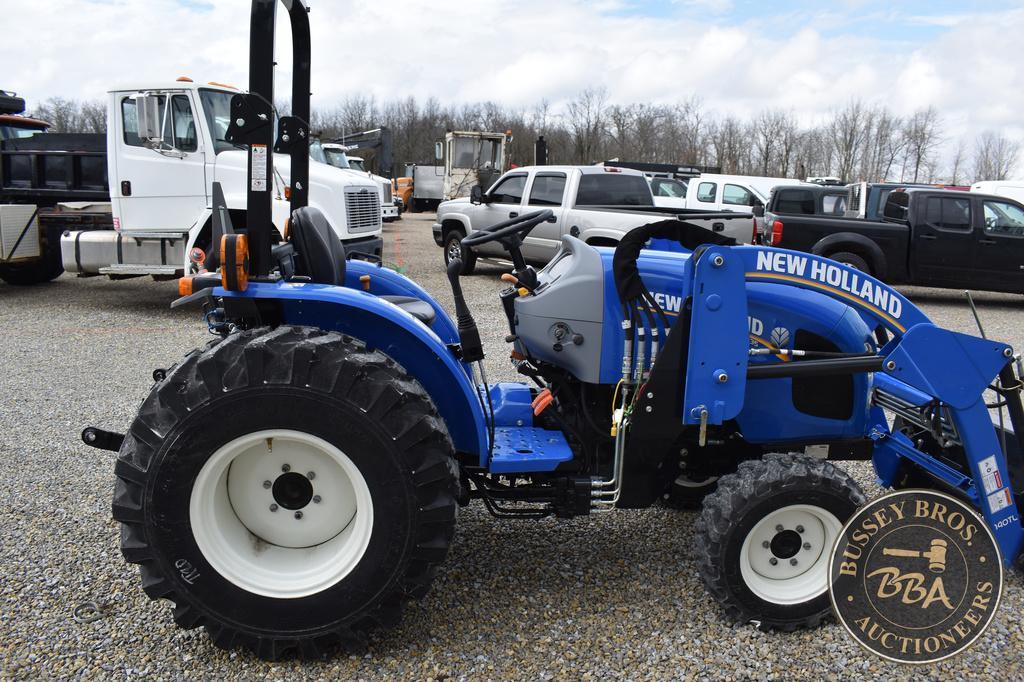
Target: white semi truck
(160, 170)
(337, 156)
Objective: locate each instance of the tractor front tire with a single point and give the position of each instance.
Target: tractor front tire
(764, 537)
(287, 489)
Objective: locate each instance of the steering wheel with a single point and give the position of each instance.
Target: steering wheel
(519, 226)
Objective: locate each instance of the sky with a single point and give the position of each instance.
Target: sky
(737, 56)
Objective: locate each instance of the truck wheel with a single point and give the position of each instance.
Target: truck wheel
(853, 260)
(763, 539)
(686, 493)
(46, 268)
(287, 489)
(453, 249)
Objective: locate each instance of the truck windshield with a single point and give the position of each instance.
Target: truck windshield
(473, 152)
(335, 157)
(317, 151)
(666, 187)
(217, 109)
(612, 189)
(356, 164)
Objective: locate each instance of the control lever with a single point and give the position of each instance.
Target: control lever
(469, 336)
(519, 285)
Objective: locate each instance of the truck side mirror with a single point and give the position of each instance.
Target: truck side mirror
(758, 210)
(439, 151)
(149, 111)
(476, 195)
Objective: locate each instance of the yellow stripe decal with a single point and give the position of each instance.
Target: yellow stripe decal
(832, 290)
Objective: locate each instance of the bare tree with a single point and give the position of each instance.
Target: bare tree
(957, 168)
(922, 133)
(994, 156)
(586, 117)
(846, 132)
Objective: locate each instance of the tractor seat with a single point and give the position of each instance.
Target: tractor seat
(321, 257)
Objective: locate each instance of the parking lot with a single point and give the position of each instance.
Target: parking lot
(611, 596)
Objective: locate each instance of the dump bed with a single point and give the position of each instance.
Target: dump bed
(53, 167)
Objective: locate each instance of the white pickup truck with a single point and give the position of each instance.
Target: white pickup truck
(597, 204)
(161, 187)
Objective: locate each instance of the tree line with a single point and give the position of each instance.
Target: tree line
(859, 141)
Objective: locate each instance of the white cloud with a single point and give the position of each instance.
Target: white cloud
(519, 52)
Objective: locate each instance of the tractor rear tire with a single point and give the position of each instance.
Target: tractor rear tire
(764, 537)
(288, 490)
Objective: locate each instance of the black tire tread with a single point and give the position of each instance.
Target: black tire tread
(344, 367)
(752, 480)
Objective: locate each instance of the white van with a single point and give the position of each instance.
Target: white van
(713, 192)
(1012, 189)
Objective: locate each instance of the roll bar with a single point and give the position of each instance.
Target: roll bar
(252, 124)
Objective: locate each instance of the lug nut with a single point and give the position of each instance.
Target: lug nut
(267, 484)
(807, 545)
(286, 468)
(316, 499)
(766, 544)
(799, 529)
(273, 507)
(311, 475)
(773, 561)
(793, 562)
(298, 515)
(779, 528)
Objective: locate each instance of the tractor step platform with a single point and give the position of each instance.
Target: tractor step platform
(523, 449)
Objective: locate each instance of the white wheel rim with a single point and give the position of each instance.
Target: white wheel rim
(796, 576)
(295, 538)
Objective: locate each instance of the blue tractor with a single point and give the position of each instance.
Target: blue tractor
(290, 485)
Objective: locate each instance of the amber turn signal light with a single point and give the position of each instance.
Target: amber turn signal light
(234, 260)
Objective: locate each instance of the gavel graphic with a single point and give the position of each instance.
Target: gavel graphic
(936, 555)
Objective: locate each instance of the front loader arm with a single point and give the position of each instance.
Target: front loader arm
(940, 373)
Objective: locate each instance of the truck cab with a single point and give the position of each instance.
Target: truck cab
(14, 125)
(161, 174)
(961, 239)
(337, 155)
(472, 158)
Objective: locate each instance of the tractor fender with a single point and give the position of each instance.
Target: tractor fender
(386, 282)
(386, 327)
(858, 244)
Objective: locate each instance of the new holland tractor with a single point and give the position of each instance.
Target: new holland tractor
(291, 484)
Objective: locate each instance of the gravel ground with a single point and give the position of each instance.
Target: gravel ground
(616, 596)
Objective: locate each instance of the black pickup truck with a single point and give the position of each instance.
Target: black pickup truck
(928, 237)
